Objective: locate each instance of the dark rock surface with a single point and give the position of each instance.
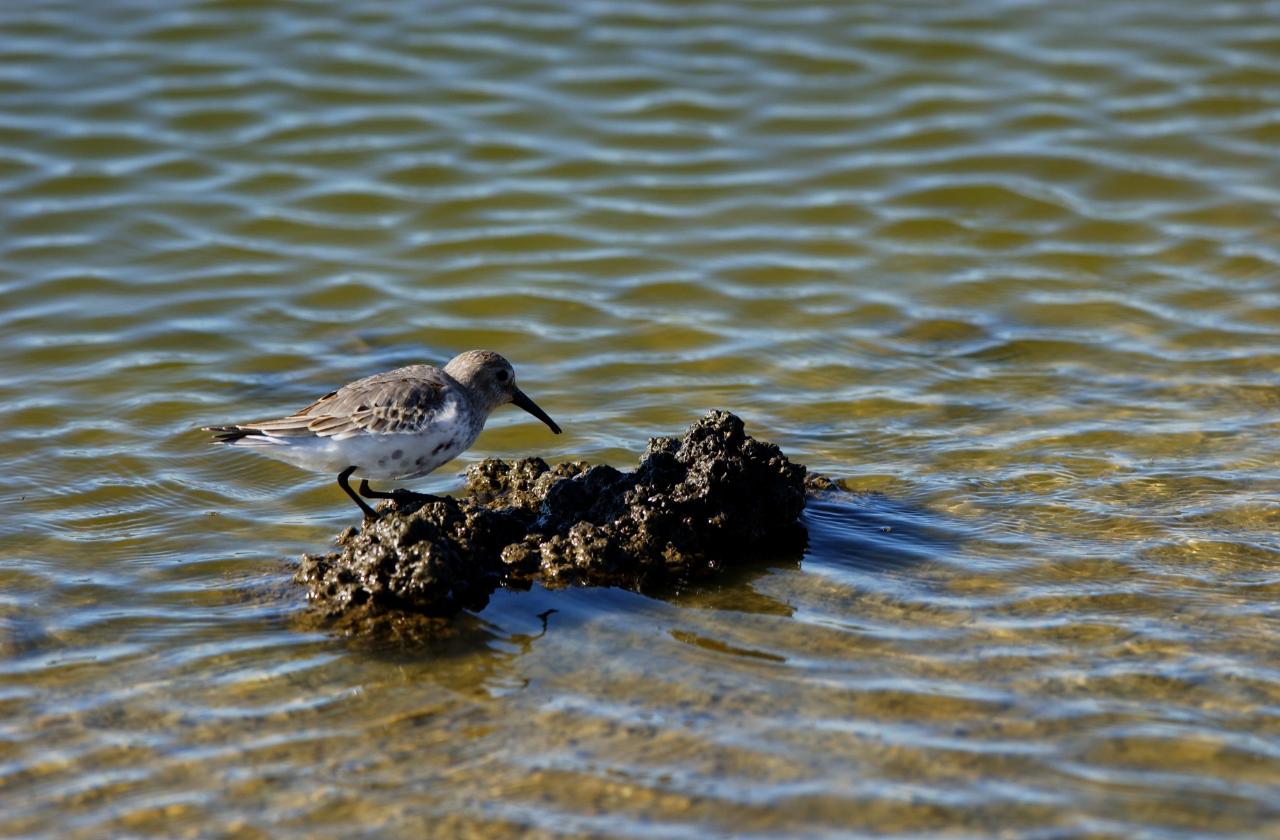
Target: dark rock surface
(694, 505)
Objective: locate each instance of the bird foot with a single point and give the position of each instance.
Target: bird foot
(401, 497)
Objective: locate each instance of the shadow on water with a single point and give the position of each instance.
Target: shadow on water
(872, 532)
(867, 532)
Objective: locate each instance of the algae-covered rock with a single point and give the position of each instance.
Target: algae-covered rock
(693, 506)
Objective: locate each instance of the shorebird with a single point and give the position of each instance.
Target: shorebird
(397, 425)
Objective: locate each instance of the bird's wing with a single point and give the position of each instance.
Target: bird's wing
(398, 401)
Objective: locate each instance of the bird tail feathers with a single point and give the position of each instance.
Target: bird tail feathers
(242, 435)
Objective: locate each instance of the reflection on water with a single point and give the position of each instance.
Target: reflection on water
(1008, 268)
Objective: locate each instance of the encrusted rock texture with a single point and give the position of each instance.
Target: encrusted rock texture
(695, 505)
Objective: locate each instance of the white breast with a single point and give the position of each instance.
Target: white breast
(387, 457)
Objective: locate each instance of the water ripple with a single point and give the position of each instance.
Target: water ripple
(1007, 268)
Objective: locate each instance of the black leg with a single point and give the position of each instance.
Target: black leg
(369, 513)
(369, 493)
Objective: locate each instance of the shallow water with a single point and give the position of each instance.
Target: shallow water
(1012, 269)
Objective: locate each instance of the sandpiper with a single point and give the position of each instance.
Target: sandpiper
(397, 425)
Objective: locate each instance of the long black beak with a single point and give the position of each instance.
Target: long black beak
(530, 406)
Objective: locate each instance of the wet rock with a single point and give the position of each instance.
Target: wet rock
(817, 483)
(695, 505)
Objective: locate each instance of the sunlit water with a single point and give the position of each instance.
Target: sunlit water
(1011, 269)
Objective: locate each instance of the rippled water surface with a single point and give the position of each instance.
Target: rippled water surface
(1012, 269)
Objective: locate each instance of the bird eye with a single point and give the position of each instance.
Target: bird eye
(503, 376)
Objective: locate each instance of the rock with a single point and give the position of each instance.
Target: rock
(695, 505)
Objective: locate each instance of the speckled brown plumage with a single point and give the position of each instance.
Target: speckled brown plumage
(397, 401)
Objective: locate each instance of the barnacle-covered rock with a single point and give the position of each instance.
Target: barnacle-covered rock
(693, 506)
